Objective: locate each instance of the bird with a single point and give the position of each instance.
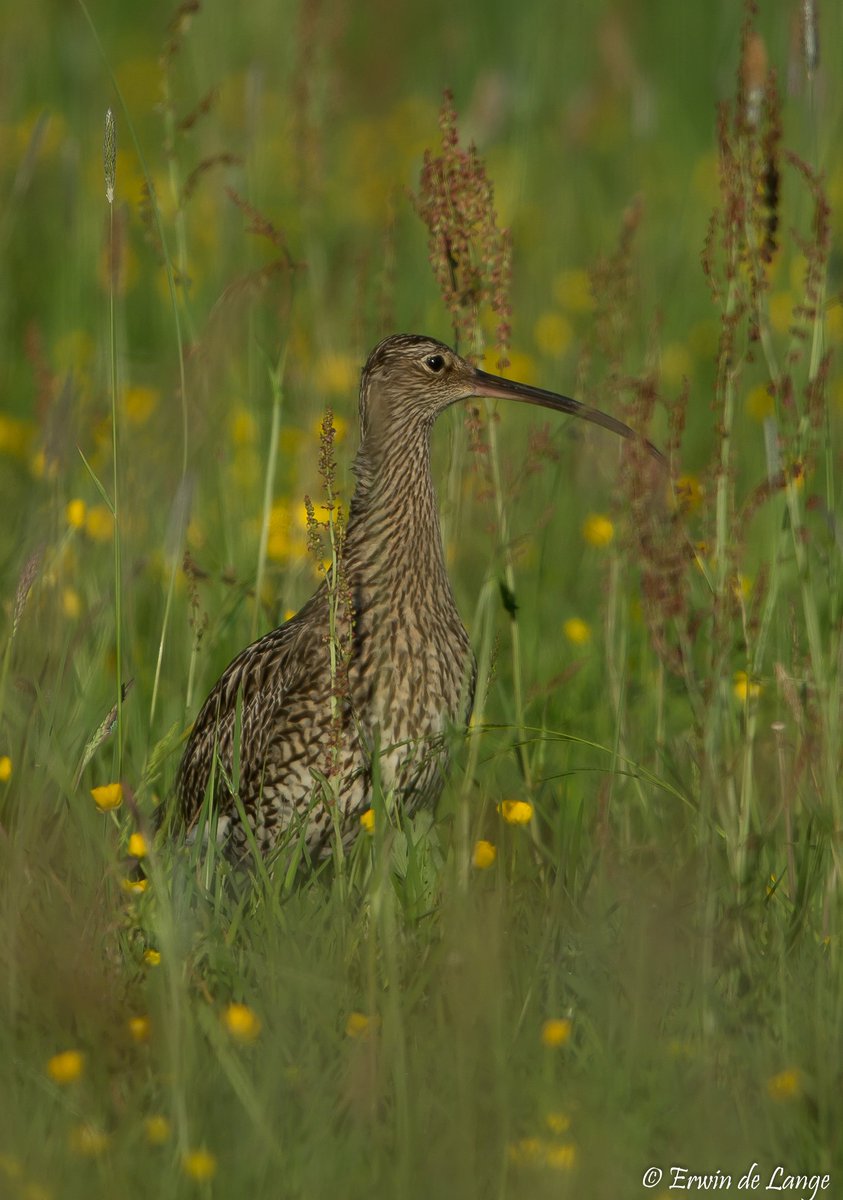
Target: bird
(294, 749)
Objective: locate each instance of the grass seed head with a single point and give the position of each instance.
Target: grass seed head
(109, 156)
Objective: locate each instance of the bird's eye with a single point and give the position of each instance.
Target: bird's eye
(434, 362)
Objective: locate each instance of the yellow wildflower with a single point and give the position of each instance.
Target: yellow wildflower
(745, 688)
(195, 534)
(786, 1085)
(66, 1067)
(36, 1191)
(320, 511)
(688, 493)
(561, 1158)
(797, 272)
(516, 812)
(558, 1122)
(102, 433)
(484, 855)
(526, 1151)
(99, 523)
(336, 375)
(676, 363)
(138, 847)
(38, 466)
(15, 436)
(152, 958)
(367, 820)
(359, 1025)
(87, 1140)
(834, 322)
(280, 544)
(199, 1165)
(553, 333)
(760, 404)
(242, 1023)
(140, 403)
(556, 1032)
(577, 631)
(244, 427)
(781, 311)
(71, 604)
(135, 887)
(598, 530)
(5, 768)
(140, 1028)
(75, 513)
(572, 290)
(157, 1130)
(11, 1167)
(108, 796)
(742, 587)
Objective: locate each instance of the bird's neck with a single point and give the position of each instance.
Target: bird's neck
(394, 520)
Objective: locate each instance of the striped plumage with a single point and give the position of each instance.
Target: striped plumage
(410, 669)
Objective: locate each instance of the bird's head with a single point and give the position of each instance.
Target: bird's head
(409, 379)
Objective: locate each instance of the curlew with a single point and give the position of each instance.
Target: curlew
(277, 741)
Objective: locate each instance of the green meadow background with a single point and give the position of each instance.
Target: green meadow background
(644, 971)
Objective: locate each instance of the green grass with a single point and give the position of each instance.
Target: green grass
(676, 896)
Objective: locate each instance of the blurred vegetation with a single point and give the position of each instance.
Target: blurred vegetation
(647, 970)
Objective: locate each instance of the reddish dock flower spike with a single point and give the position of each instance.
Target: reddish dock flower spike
(471, 257)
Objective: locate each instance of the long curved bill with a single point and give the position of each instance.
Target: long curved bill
(498, 388)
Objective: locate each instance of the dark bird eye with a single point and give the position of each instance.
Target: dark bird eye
(435, 362)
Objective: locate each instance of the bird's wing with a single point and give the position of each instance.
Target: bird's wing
(258, 681)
